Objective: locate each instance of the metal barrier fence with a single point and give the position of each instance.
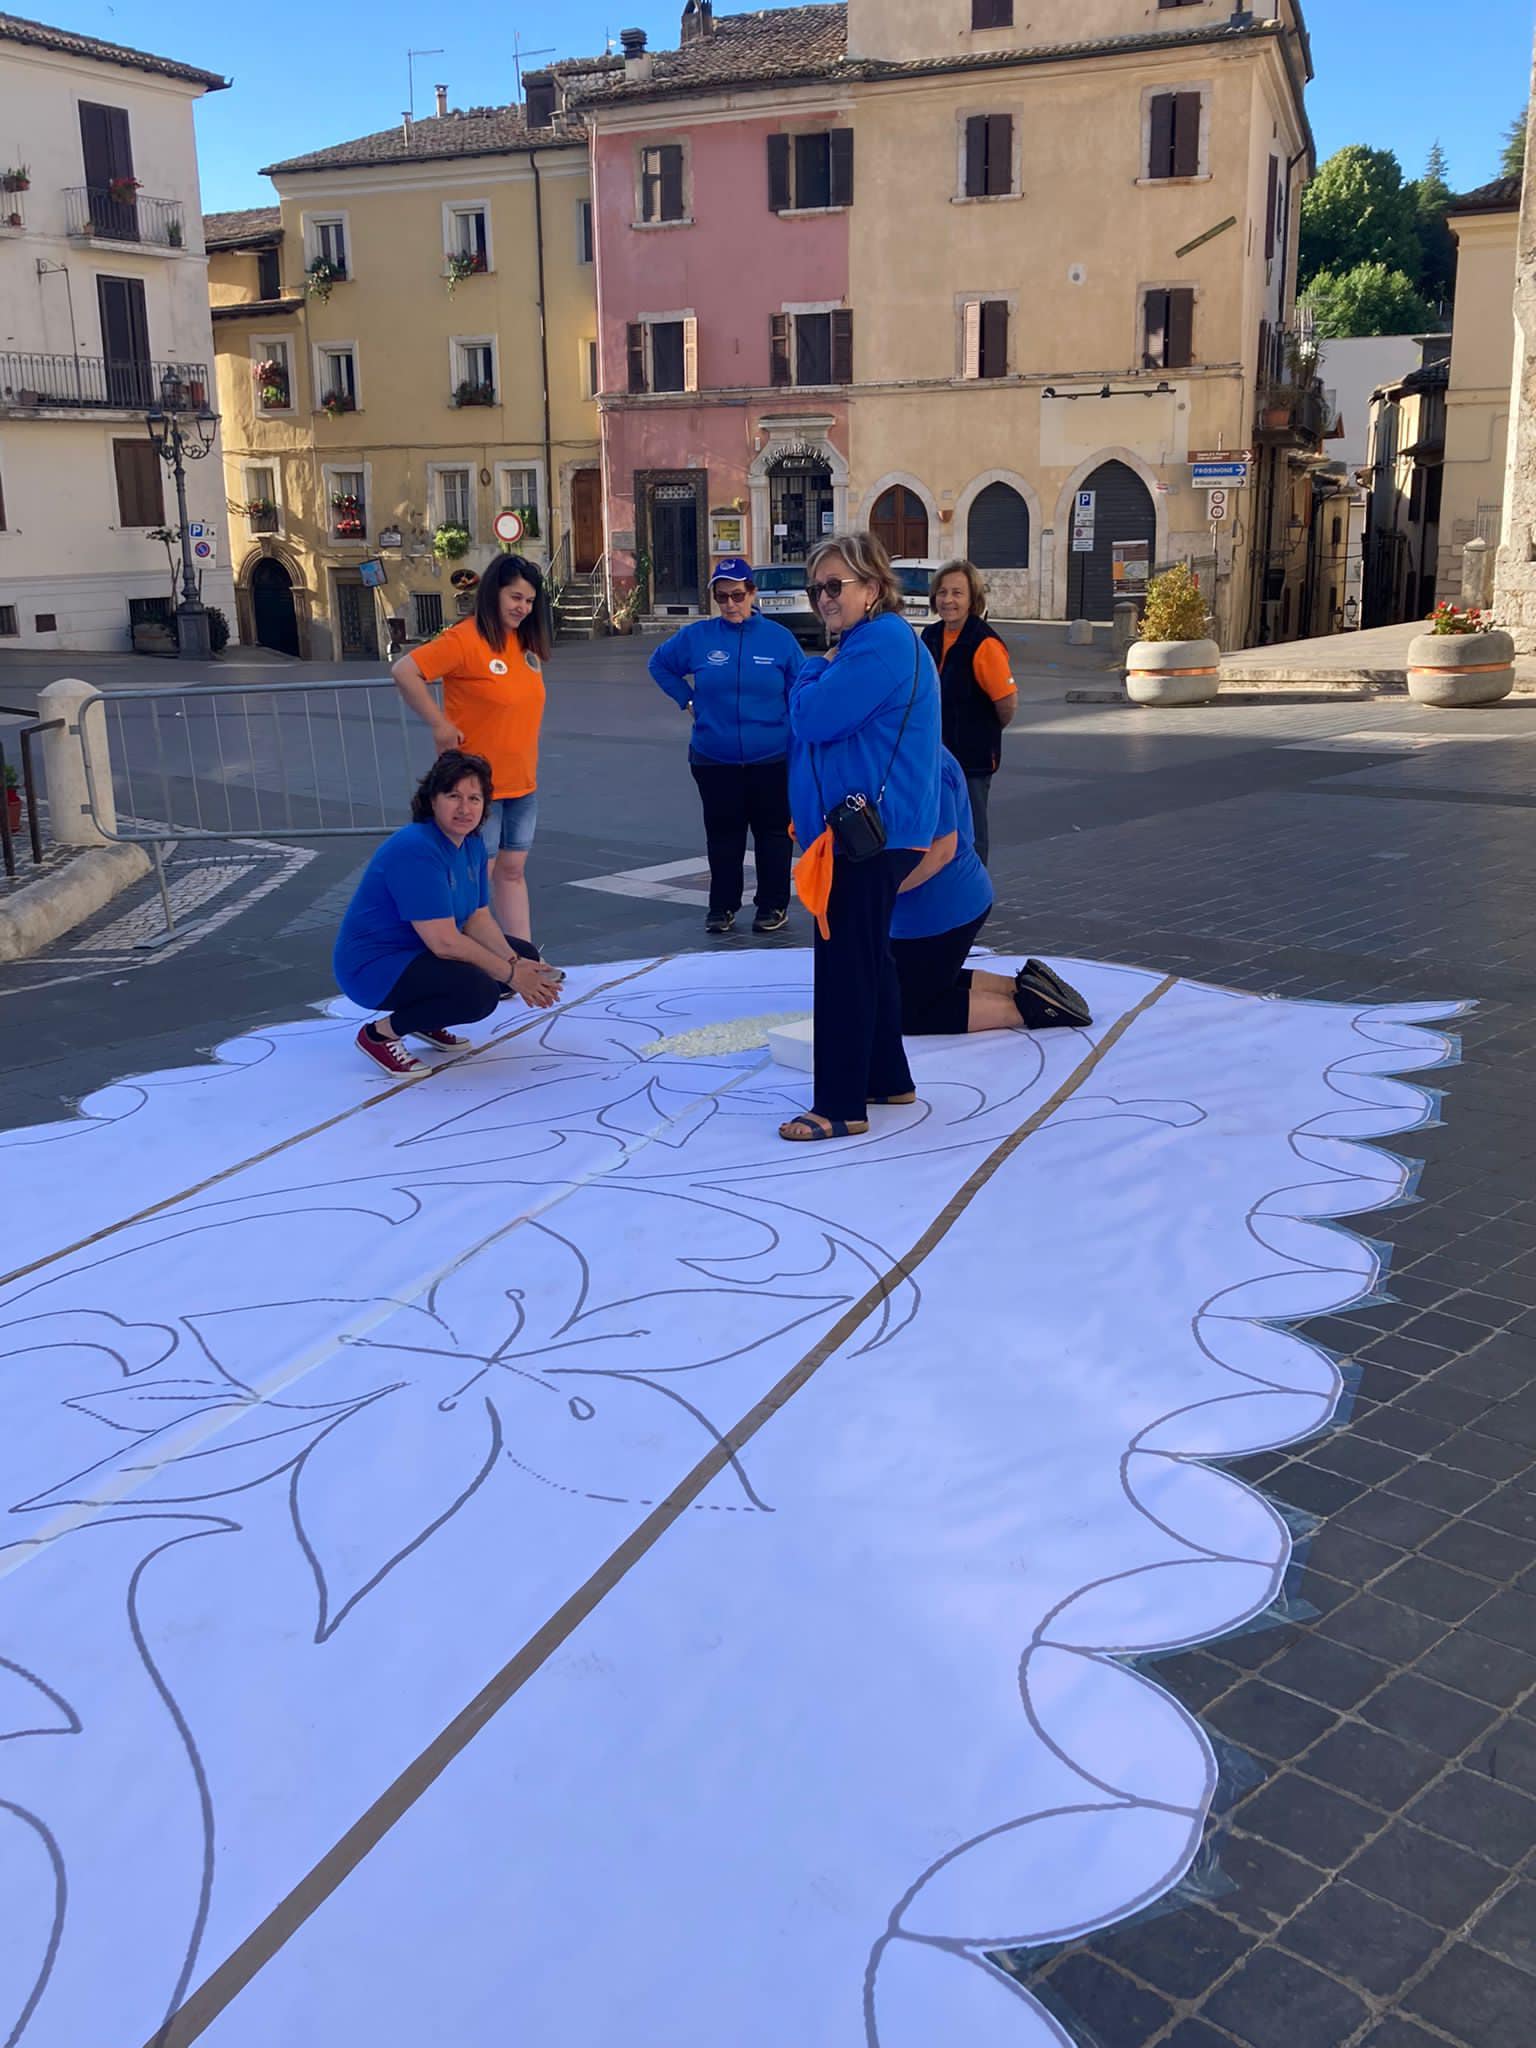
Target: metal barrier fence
(27, 791)
(286, 761)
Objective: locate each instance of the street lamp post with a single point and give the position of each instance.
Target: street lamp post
(182, 433)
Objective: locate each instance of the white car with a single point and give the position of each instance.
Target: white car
(916, 580)
(783, 597)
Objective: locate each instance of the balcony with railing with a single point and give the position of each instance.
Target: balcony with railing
(120, 212)
(1292, 414)
(46, 383)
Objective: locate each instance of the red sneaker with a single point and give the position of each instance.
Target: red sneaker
(445, 1041)
(396, 1060)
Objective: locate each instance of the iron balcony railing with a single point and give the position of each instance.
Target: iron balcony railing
(71, 383)
(121, 213)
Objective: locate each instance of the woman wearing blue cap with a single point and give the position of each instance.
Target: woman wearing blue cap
(732, 674)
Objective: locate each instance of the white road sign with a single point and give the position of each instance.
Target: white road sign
(1219, 504)
(1084, 521)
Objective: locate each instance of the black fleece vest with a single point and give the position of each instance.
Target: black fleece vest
(971, 731)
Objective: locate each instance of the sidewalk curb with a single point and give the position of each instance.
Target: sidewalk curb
(54, 904)
(1226, 699)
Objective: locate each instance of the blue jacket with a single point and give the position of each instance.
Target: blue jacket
(738, 679)
(960, 892)
(844, 717)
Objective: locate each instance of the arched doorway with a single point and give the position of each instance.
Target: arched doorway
(899, 521)
(799, 504)
(1121, 510)
(272, 609)
(998, 529)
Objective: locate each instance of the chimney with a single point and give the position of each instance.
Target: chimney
(539, 98)
(405, 127)
(442, 100)
(698, 23)
(637, 63)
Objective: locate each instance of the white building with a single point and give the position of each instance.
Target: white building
(103, 287)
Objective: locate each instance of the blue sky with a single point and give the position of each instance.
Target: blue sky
(1381, 68)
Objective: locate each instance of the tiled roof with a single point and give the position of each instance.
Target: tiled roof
(482, 131)
(1502, 196)
(803, 44)
(15, 29)
(257, 309)
(243, 230)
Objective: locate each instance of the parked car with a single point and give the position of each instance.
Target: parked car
(916, 580)
(783, 597)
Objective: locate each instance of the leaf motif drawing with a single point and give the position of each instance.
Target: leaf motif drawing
(424, 1456)
(132, 1347)
(140, 1409)
(31, 1875)
(29, 1707)
(682, 1329)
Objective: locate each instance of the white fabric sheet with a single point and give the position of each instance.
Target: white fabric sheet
(295, 1465)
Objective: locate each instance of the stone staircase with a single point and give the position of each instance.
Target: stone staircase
(581, 609)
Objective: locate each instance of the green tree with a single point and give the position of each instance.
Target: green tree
(1370, 298)
(1512, 162)
(1358, 210)
(1436, 275)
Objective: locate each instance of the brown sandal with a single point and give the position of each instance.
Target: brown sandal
(893, 1101)
(809, 1128)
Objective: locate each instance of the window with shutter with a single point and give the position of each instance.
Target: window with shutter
(778, 174)
(1154, 352)
(976, 156)
(780, 366)
(991, 13)
(690, 327)
(842, 347)
(842, 167)
(994, 339)
(661, 182)
(813, 348)
(1169, 323)
(269, 274)
(635, 351)
(1272, 210)
(813, 171)
(999, 171)
(1174, 146)
(669, 366)
(140, 495)
(970, 339)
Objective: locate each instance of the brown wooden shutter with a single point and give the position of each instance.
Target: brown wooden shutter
(1186, 135)
(842, 347)
(635, 344)
(1181, 329)
(999, 154)
(778, 173)
(780, 364)
(1154, 355)
(140, 496)
(842, 167)
(976, 156)
(1160, 154)
(672, 181)
(994, 338)
(1272, 210)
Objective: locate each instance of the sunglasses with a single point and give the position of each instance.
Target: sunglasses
(833, 588)
(723, 596)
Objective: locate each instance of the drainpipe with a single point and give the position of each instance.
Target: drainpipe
(538, 229)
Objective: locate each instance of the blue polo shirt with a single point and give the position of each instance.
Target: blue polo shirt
(417, 874)
(960, 892)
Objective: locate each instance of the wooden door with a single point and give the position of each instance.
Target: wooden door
(125, 342)
(675, 544)
(900, 522)
(586, 521)
(356, 623)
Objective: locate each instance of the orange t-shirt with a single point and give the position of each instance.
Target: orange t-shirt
(496, 701)
(990, 665)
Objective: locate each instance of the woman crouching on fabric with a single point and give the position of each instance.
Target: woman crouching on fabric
(418, 942)
(864, 795)
(940, 910)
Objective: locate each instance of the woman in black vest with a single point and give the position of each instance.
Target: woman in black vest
(976, 676)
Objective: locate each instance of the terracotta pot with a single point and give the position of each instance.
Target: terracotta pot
(1172, 671)
(13, 808)
(1450, 669)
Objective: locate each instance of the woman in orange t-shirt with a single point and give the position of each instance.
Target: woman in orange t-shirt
(491, 668)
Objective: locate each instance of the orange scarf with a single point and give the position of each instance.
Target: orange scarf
(813, 879)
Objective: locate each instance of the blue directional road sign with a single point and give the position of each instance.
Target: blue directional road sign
(1219, 472)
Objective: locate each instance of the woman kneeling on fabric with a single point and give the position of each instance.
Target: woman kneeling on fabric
(940, 910)
(418, 942)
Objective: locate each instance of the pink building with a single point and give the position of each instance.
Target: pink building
(725, 348)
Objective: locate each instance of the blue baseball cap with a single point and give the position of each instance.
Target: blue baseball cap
(731, 569)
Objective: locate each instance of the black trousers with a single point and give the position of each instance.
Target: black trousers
(754, 796)
(935, 981)
(980, 787)
(433, 994)
(859, 1053)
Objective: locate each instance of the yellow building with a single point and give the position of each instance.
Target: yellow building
(1486, 224)
(1077, 273)
(405, 347)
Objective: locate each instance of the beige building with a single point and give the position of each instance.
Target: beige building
(103, 295)
(406, 349)
(1486, 226)
(1077, 272)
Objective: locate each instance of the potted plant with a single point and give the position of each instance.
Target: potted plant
(12, 798)
(470, 393)
(1174, 661)
(347, 516)
(322, 276)
(450, 542)
(631, 602)
(529, 514)
(461, 264)
(271, 378)
(1462, 659)
(174, 233)
(17, 179)
(337, 402)
(122, 191)
(14, 220)
(262, 513)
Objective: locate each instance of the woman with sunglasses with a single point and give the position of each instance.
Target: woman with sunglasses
(864, 725)
(732, 675)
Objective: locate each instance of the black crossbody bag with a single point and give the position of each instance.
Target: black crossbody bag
(858, 830)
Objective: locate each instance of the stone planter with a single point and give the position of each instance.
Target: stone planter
(1451, 669)
(1172, 671)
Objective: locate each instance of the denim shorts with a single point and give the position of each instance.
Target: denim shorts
(509, 824)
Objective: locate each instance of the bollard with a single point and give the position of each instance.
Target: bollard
(85, 725)
(1477, 560)
(1127, 627)
(1080, 633)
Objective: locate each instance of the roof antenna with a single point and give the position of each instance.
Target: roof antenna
(519, 53)
(410, 77)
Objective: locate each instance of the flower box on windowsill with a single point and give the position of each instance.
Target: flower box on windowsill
(475, 394)
(337, 402)
(460, 265)
(351, 529)
(322, 276)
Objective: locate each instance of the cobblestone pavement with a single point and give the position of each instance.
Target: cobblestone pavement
(1370, 1873)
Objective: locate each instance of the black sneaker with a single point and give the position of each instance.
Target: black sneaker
(770, 921)
(720, 921)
